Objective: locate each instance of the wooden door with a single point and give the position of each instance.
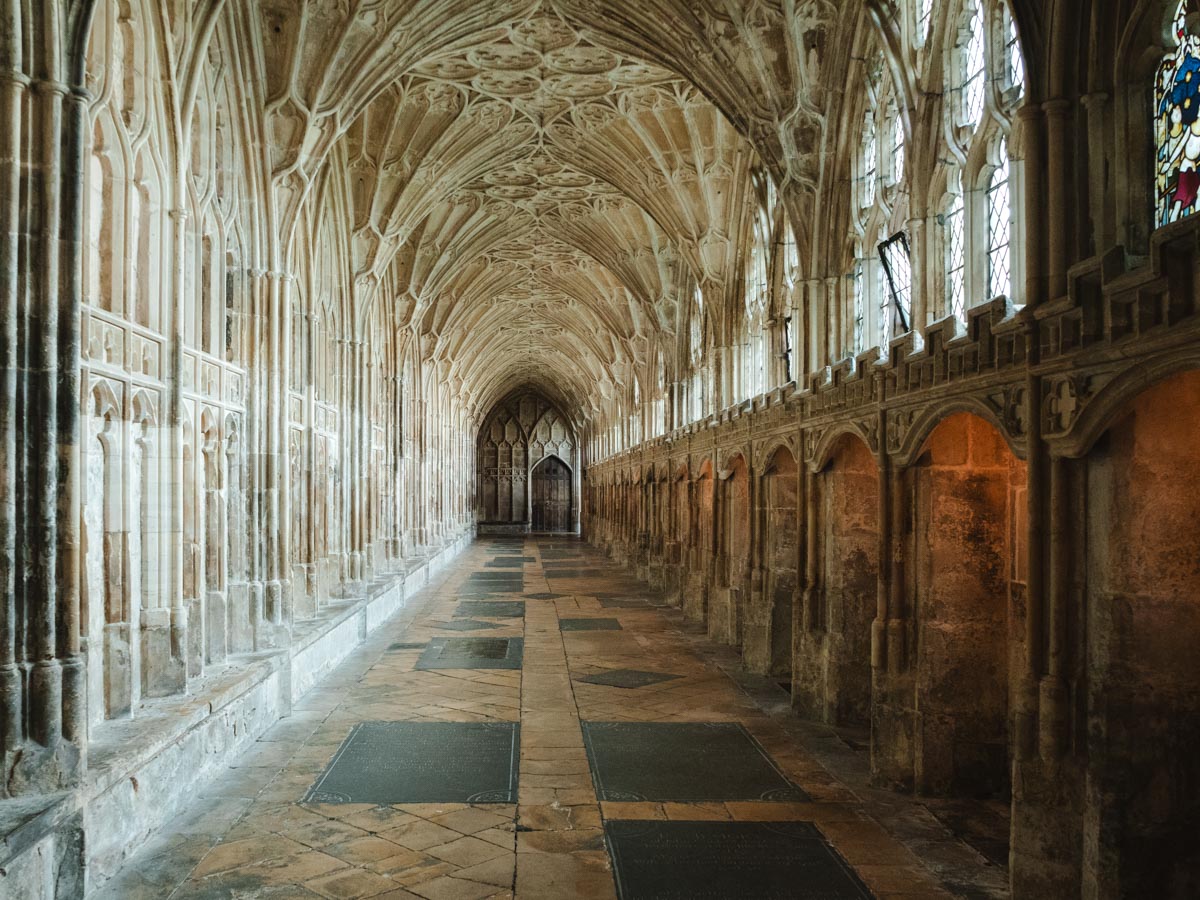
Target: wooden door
(551, 495)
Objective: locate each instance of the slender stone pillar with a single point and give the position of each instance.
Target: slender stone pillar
(41, 423)
(74, 674)
(12, 89)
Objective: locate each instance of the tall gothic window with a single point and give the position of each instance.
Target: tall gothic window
(897, 124)
(999, 223)
(956, 259)
(974, 66)
(696, 335)
(869, 159)
(1177, 127)
(860, 302)
(1014, 63)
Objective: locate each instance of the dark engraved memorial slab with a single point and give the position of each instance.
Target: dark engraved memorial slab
(423, 762)
(514, 563)
(545, 595)
(661, 860)
(472, 653)
(496, 609)
(466, 625)
(589, 625)
(682, 761)
(628, 678)
(415, 645)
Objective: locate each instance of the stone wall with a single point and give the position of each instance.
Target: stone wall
(1005, 593)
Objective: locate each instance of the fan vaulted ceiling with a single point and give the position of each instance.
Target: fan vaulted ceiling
(541, 187)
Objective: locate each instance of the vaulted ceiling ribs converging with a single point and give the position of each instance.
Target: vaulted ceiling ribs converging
(536, 204)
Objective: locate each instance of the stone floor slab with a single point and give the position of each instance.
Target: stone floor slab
(423, 762)
(472, 653)
(665, 860)
(682, 761)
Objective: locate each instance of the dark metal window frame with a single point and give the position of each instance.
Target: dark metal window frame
(900, 239)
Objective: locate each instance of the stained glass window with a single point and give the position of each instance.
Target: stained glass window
(974, 78)
(956, 259)
(895, 303)
(999, 211)
(1177, 127)
(697, 329)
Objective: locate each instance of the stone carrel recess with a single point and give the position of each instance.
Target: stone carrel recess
(541, 759)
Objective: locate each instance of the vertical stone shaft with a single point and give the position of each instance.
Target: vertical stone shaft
(12, 89)
(74, 699)
(41, 423)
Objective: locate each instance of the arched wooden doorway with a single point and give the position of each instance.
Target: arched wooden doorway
(551, 495)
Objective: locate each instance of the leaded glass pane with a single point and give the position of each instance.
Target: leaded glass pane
(896, 303)
(1177, 127)
(897, 149)
(956, 286)
(924, 18)
(999, 230)
(869, 159)
(860, 306)
(973, 75)
(1012, 57)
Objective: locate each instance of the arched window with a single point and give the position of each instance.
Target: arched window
(956, 258)
(858, 287)
(973, 66)
(999, 224)
(896, 124)
(870, 167)
(696, 334)
(1177, 127)
(1014, 63)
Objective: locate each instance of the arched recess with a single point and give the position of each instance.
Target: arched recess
(1142, 555)
(551, 503)
(969, 588)
(780, 486)
(727, 605)
(520, 431)
(837, 688)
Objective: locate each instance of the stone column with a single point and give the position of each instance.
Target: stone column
(12, 89)
(278, 589)
(1029, 118)
(41, 423)
(1058, 226)
(74, 675)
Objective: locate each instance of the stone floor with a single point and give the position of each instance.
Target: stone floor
(257, 832)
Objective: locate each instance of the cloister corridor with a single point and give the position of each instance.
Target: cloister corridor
(269, 826)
